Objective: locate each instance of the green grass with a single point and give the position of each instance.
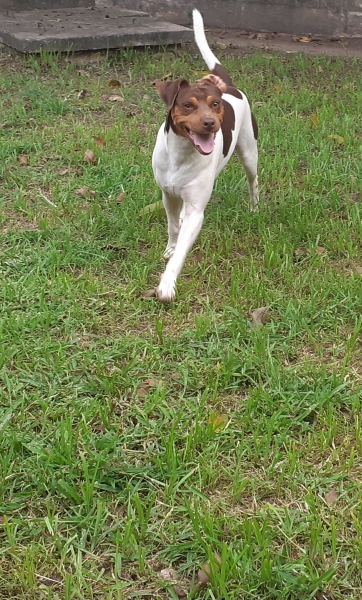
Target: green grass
(113, 464)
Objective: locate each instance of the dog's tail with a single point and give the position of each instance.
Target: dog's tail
(207, 54)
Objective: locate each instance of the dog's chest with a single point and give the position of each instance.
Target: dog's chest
(176, 164)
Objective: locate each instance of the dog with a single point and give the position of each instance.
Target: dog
(205, 122)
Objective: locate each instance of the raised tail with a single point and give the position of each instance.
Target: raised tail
(207, 54)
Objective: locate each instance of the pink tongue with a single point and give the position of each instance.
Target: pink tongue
(206, 142)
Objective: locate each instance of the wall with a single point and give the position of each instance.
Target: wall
(330, 17)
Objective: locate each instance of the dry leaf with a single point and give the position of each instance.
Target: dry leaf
(81, 94)
(299, 251)
(168, 575)
(179, 591)
(116, 98)
(81, 191)
(114, 83)
(321, 250)
(355, 196)
(149, 294)
(120, 197)
(99, 141)
(142, 390)
(304, 39)
(218, 421)
(359, 270)
(339, 139)
(277, 87)
(203, 574)
(156, 207)
(63, 171)
(23, 160)
(331, 497)
(257, 315)
(314, 122)
(89, 156)
(167, 76)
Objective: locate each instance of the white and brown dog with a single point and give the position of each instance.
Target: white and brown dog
(206, 121)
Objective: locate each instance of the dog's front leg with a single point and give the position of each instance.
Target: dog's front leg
(193, 217)
(172, 206)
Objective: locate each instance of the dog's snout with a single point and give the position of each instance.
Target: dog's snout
(208, 123)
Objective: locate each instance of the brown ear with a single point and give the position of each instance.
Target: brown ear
(168, 90)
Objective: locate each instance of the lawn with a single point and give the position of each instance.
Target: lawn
(137, 437)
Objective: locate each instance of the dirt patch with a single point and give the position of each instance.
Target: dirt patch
(242, 42)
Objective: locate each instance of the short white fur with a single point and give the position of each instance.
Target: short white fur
(186, 177)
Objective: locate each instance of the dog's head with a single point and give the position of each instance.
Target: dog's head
(195, 110)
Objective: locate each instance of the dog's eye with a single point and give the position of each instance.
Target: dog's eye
(216, 104)
(188, 105)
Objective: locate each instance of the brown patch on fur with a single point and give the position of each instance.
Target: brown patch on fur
(219, 71)
(255, 126)
(202, 97)
(168, 91)
(227, 126)
(233, 91)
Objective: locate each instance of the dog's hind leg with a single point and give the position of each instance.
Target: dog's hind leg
(247, 151)
(172, 206)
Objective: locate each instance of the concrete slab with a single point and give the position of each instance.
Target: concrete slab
(91, 28)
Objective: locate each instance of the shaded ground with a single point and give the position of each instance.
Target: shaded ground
(237, 39)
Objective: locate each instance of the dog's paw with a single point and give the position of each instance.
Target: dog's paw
(166, 291)
(169, 252)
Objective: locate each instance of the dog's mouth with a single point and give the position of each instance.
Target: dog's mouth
(202, 142)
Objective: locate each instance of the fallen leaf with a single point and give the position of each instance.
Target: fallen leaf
(299, 251)
(359, 270)
(168, 575)
(99, 141)
(81, 94)
(114, 83)
(156, 207)
(81, 191)
(120, 197)
(257, 315)
(324, 596)
(339, 139)
(142, 390)
(203, 574)
(218, 421)
(89, 157)
(314, 121)
(321, 250)
(23, 160)
(149, 293)
(116, 98)
(355, 196)
(277, 87)
(179, 591)
(331, 497)
(304, 39)
(63, 171)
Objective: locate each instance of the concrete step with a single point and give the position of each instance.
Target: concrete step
(91, 28)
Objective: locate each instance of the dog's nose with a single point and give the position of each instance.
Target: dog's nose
(208, 123)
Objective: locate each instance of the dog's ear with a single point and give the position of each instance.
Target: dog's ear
(168, 90)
